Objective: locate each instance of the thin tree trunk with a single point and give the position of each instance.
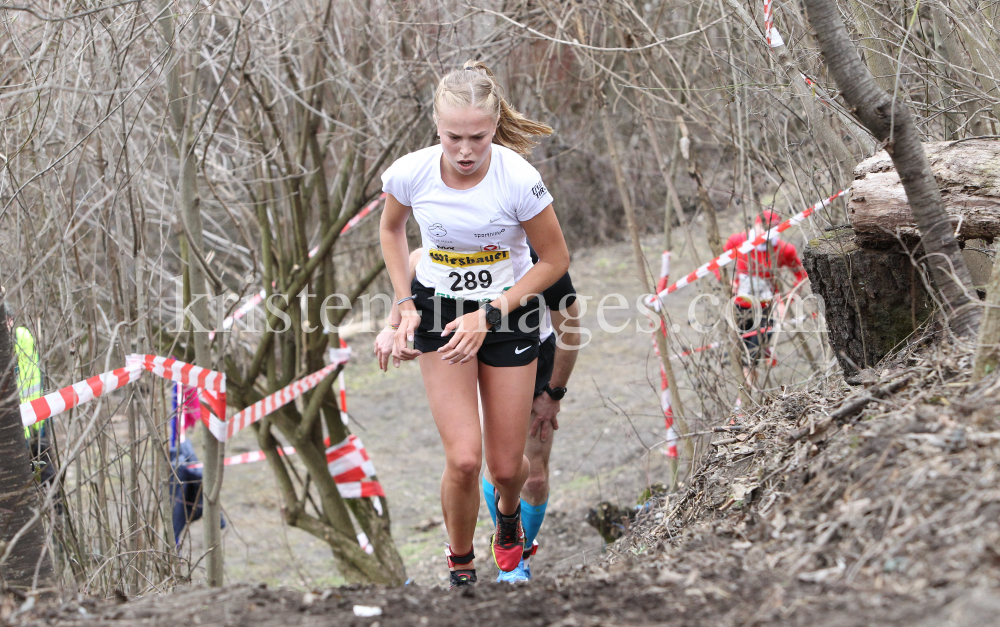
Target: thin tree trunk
(184, 143)
(814, 113)
(873, 41)
(890, 121)
(18, 495)
(988, 348)
(214, 450)
(951, 50)
(715, 243)
(640, 261)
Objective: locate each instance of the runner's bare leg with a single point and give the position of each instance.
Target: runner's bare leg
(451, 392)
(506, 395)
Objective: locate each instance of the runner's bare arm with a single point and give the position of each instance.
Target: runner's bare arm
(392, 234)
(553, 261)
(386, 339)
(545, 410)
(566, 325)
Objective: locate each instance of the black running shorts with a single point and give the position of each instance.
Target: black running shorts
(744, 320)
(516, 344)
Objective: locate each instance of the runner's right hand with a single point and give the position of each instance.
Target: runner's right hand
(543, 417)
(384, 343)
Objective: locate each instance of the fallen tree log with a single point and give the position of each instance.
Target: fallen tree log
(968, 174)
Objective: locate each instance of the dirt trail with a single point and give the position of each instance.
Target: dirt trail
(592, 597)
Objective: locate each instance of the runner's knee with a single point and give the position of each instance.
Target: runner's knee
(537, 483)
(505, 472)
(466, 466)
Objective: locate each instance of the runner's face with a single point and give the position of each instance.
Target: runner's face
(466, 133)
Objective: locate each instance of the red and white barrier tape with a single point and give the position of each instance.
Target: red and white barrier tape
(223, 430)
(211, 390)
(350, 466)
(211, 385)
(366, 546)
(258, 298)
(770, 32)
(668, 412)
(353, 222)
(729, 256)
(343, 390)
(248, 458)
(360, 489)
(81, 392)
(174, 370)
(348, 463)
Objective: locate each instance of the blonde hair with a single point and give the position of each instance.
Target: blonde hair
(476, 86)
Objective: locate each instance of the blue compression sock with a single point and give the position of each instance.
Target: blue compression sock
(531, 515)
(531, 519)
(491, 500)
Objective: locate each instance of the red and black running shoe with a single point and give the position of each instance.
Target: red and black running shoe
(507, 544)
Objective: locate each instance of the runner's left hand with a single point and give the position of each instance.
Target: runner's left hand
(469, 333)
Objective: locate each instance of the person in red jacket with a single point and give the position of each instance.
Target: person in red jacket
(756, 279)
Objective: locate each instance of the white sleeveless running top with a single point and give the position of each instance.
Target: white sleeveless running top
(474, 246)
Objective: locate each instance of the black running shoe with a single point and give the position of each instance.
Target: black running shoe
(461, 578)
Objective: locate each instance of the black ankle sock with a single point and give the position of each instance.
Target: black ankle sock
(517, 512)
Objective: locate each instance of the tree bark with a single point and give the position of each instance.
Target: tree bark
(872, 299)
(890, 122)
(18, 495)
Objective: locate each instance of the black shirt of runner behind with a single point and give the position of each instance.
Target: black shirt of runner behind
(560, 294)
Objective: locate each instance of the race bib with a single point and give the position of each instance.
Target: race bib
(760, 287)
(480, 276)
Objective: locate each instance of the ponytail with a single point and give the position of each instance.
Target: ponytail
(476, 86)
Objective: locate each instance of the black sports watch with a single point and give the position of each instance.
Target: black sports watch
(556, 394)
(493, 316)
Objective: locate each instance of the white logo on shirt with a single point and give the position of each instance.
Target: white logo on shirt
(518, 351)
(437, 230)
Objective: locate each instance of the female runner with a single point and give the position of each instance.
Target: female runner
(472, 312)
